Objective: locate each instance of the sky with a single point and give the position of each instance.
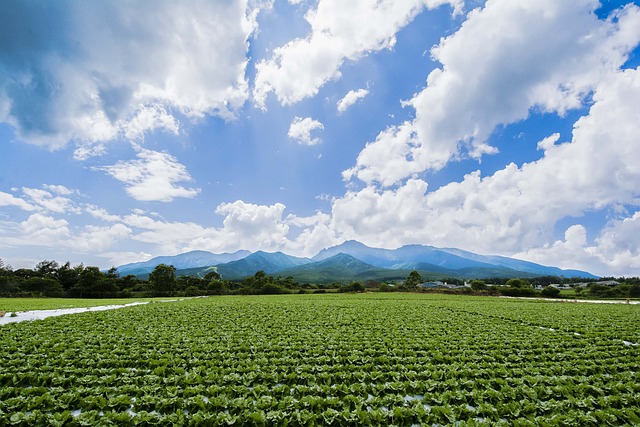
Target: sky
(135, 129)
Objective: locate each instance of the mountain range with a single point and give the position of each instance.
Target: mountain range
(352, 260)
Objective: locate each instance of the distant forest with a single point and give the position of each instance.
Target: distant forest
(50, 279)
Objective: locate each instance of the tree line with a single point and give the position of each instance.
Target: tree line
(51, 279)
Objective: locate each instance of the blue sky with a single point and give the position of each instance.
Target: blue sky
(131, 130)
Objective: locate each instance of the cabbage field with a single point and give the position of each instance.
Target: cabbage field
(330, 359)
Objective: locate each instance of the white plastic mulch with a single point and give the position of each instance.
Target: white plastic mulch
(43, 314)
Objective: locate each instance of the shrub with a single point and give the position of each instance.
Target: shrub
(550, 292)
(518, 292)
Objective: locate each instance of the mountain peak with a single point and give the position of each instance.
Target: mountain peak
(352, 258)
(350, 247)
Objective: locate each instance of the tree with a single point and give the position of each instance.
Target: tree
(25, 273)
(112, 273)
(517, 283)
(212, 275)
(478, 285)
(130, 282)
(42, 285)
(47, 269)
(92, 283)
(550, 292)
(260, 278)
(4, 268)
(413, 280)
(353, 287)
(68, 276)
(383, 287)
(217, 287)
(163, 279)
(89, 278)
(253, 284)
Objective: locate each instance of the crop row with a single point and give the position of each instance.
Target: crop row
(334, 359)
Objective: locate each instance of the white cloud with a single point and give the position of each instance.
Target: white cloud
(152, 177)
(351, 98)
(165, 236)
(245, 226)
(94, 238)
(252, 226)
(41, 229)
(387, 159)
(101, 213)
(7, 199)
(618, 246)
(505, 60)
(58, 189)
(340, 31)
(121, 258)
(150, 117)
(301, 129)
(383, 218)
(47, 231)
(43, 200)
(517, 207)
(91, 74)
(86, 150)
(568, 253)
(48, 202)
(615, 252)
(316, 234)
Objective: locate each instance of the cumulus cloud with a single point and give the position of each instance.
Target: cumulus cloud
(254, 226)
(50, 199)
(46, 231)
(301, 129)
(351, 98)
(506, 59)
(58, 189)
(91, 74)
(101, 213)
(568, 253)
(618, 246)
(47, 201)
(153, 177)
(150, 117)
(168, 237)
(615, 250)
(120, 258)
(298, 69)
(511, 211)
(517, 207)
(388, 159)
(94, 238)
(245, 226)
(383, 218)
(7, 199)
(42, 229)
(86, 149)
